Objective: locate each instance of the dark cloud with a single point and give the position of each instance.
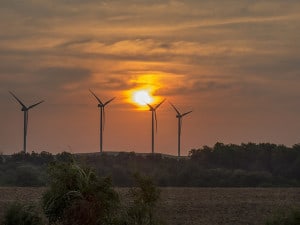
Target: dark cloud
(115, 83)
(58, 77)
(197, 86)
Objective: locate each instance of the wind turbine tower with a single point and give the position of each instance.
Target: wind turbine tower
(101, 106)
(25, 109)
(179, 116)
(154, 121)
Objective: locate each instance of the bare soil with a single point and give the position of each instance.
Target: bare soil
(197, 206)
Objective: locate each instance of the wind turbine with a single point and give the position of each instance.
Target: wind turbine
(154, 119)
(101, 106)
(25, 109)
(179, 116)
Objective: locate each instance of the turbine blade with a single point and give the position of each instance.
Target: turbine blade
(34, 105)
(178, 113)
(160, 104)
(21, 103)
(98, 99)
(184, 114)
(150, 107)
(109, 101)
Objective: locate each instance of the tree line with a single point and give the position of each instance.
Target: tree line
(222, 165)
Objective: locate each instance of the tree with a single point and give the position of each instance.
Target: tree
(145, 198)
(77, 196)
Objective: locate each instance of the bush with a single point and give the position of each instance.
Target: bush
(145, 199)
(20, 214)
(77, 196)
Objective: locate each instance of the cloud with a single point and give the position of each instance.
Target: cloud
(229, 60)
(196, 86)
(62, 77)
(114, 83)
(109, 40)
(155, 49)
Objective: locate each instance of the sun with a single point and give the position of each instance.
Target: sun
(142, 97)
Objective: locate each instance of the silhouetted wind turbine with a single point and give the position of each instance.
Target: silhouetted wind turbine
(154, 119)
(25, 110)
(101, 106)
(179, 116)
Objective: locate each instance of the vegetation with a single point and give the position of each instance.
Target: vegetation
(245, 165)
(77, 196)
(145, 197)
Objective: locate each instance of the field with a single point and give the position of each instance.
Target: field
(198, 206)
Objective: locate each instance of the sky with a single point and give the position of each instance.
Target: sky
(235, 63)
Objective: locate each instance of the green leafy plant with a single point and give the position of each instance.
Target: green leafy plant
(77, 196)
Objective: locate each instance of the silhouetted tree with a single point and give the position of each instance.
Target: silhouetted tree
(77, 196)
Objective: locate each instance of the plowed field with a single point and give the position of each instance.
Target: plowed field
(198, 206)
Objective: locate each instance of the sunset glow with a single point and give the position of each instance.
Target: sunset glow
(142, 97)
(145, 87)
(234, 63)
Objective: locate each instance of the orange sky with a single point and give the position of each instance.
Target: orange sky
(234, 63)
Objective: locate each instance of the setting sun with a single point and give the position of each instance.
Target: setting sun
(142, 97)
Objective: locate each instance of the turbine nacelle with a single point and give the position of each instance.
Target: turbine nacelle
(178, 114)
(179, 117)
(101, 106)
(154, 119)
(25, 110)
(151, 108)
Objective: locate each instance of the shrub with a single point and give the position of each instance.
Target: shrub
(77, 196)
(145, 199)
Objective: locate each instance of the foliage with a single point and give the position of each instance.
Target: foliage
(65, 157)
(77, 196)
(245, 165)
(291, 217)
(21, 214)
(34, 158)
(145, 198)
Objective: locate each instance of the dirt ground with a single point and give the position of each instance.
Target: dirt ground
(198, 206)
